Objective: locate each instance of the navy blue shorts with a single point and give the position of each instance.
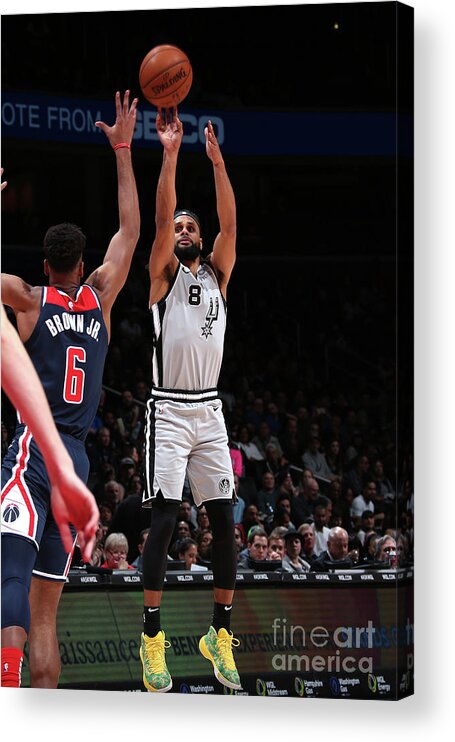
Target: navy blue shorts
(26, 511)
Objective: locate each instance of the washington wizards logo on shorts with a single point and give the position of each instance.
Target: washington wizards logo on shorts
(224, 486)
(11, 513)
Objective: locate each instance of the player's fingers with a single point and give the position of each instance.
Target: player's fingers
(126, 102)
(118, 104)
(134, 106)
(212, 130)
(91, 526)
(101, 125)
(86, 546)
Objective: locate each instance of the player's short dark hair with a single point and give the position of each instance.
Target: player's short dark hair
(187, 212)
(63, 246)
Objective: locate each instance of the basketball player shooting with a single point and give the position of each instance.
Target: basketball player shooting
(65, 328)
(186, 431)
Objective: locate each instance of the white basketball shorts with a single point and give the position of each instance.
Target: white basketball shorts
(191, 438)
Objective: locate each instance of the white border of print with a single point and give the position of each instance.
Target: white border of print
(81, 714)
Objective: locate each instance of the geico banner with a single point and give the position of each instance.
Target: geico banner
(45, 118)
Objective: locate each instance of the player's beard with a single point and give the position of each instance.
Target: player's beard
(190, 252)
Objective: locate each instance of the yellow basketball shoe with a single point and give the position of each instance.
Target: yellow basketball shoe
(217, 647)
(155, 674)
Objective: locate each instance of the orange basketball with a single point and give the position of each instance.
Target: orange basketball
(165, 76)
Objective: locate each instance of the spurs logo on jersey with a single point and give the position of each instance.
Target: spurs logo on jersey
(210, 318)
(189, 326)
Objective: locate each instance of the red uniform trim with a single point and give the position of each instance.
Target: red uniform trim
(19, 470)
(84, 301)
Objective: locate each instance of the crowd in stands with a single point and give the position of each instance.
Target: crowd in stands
(317, 472)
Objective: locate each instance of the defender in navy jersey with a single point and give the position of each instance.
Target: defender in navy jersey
(65, 328)
(186, 432)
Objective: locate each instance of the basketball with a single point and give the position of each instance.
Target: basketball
(165, 76)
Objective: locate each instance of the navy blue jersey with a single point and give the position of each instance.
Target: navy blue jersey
(68, 348)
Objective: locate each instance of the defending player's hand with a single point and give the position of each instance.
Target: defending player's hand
(169, 129)
(211, 144)
(72, 503)
(125, 122)
(4, 182)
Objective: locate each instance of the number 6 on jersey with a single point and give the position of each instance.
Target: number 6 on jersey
(73, 388)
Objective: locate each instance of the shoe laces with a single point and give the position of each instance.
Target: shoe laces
(225, 644)
(155, 647)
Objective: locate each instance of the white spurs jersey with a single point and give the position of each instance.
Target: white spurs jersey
(189, 324)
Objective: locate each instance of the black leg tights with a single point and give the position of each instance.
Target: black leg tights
(164, 515)
(224, 555)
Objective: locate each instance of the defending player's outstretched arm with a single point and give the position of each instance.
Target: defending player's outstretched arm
(163, 263)
(71, 501)
(223, 256)
(110, 277)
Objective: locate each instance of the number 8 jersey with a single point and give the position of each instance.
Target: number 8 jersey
(189, 324)
(68, 348)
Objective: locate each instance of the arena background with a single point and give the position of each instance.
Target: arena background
(322, 291)
(321, 296)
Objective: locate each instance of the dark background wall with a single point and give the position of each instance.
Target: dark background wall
(323, 282)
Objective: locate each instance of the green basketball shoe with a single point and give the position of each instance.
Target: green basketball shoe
(217, 647)
(155, 675)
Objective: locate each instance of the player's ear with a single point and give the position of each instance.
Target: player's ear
(81, 268)
(200, 243)
(45, 267)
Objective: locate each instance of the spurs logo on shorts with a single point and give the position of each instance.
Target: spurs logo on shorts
(224, 486)
(193, 441)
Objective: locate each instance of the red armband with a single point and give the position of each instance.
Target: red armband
(122, 144)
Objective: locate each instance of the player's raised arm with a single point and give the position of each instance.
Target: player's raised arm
(111, 276)
(223, 256)
(71, 501)
(16, 293)
(163, 262)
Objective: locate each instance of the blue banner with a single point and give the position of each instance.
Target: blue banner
(45, 118)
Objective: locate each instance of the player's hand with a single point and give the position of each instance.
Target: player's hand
(211, 144)
(169, 129)
(125, 122)
(4, 182)
(72, 503)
